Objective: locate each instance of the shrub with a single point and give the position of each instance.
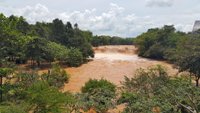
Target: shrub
(75, 57)
(152, 91)
(98, 84)
(98, 95)
(56, 77)
(46, 99)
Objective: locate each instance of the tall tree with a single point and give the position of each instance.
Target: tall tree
(58, 33)
(189, 57)
(36, 50)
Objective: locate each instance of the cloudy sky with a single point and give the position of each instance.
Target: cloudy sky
(126, 18)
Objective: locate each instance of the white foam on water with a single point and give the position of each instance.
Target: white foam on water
(117, 57)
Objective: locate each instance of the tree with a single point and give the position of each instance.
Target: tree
(189, 57)
(75, 26)
(31, 92)
(159, 43)
(41, 30)
(99, 95)
(57, 51)
(44, 98)
(57, 77)
(75, 57)
(36, 50)
(23, 26)
(98, 84)
(152, 90)
(58, 33)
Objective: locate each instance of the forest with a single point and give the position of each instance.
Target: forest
(179, 48)
(47, 42)
(150, 90)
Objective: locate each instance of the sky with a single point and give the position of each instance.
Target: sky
(125, 18)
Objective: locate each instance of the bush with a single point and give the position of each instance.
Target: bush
(98, 95)
(56, 77)
(98, 84)
(46, 99)
(75, 57)
(14, 108)
(152, 91)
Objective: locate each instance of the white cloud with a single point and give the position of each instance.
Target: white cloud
(114, 21)
(159, 3)
(34, 13)
(183, 27)
(111, 22)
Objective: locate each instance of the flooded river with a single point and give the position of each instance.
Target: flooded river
(111, 63)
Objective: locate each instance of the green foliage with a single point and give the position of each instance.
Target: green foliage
(179, 48)
(26, 79)
(57, 51)
(36, 50)
(46, 99)
(14, 108)
(29, 91)
(57, 77)
(152, 90)
(75, 57)
(107, 40)
(159, 43)
(189, 56)
(72, 38)
(5, 71)
(98, 84)
(98, 94)
(41, 42)
(58, 31)
(148, 91)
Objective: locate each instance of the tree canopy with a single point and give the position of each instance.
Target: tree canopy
(181, 49)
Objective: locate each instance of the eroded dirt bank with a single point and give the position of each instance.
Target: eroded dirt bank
(111, 63)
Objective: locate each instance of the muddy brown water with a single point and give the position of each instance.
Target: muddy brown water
(111, 63)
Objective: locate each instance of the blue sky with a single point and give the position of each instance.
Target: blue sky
(126, 18)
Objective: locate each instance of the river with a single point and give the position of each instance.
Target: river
(111, 63)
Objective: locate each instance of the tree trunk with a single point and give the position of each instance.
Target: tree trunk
(197, 81)
(1, 93)
(38, 62)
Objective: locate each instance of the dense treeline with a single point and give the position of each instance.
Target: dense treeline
(108, 40)
(43, 42)
(158, 43)
(182, 49)
(48, 42)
